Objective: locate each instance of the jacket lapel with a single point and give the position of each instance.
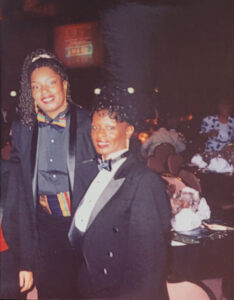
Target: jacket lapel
(105, 197)
(72, 148)
(86, 172)
(74, 234)
(34, 154)
(34, 146)
(112, 188)
(89, 170)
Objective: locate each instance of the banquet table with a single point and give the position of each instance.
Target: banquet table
(217, 188)
(206, 260)
(209, 264)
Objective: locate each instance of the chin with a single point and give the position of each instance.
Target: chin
(103, 153)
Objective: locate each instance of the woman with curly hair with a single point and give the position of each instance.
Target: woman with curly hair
(51, 139)
(120, 228)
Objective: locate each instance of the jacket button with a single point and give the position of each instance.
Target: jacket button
(105, 271)
(115, 229)
(110, 254)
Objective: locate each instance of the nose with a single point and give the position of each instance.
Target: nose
(44, 89)
(101, 133)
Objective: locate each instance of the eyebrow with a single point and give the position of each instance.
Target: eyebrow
(52, 77)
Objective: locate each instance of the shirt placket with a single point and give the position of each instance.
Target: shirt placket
(52, 154)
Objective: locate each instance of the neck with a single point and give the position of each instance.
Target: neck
(53, 115)
(115, 154)
(223, 118)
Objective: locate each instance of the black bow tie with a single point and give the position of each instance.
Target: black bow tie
(107, 164)
(58, 127)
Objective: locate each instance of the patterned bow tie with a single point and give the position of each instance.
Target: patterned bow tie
(60, 122)
(107, 164)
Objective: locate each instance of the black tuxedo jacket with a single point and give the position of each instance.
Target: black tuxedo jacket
(15, 219)
(12, 205)
(80, 148)
(124, 249)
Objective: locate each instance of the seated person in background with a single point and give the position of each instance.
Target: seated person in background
(165, 134)
(121, 225)
(218, 130)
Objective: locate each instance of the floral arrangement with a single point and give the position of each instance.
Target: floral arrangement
(188, 209)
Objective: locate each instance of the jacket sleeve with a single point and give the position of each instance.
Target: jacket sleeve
(27, 228)
(17, 219)
(148, 241)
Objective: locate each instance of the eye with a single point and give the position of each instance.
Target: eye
(35, 87)
(52, 82)
(93, 127)
(110, 128)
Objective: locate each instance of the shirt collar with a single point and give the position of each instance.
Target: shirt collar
(59, 120)
(116, 154)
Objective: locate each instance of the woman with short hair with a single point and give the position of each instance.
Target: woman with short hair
(120, 228)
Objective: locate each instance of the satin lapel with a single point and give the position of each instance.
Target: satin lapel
(126, 167)
(112, 187)
(87, 171)
(34, 146)
(107, 194)
(72, 148)
(74, 235)
(34, 154)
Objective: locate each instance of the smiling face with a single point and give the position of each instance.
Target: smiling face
(49, 91)
(109, 135)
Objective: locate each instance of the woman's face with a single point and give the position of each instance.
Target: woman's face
(49, 91)
(109, 135)
(225, 110)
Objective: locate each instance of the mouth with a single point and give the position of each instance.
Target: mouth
(102, 144)
(47, 99)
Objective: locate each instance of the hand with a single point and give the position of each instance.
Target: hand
(25, 280)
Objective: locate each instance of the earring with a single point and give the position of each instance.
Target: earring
(65, 95)
(36, 108)
(127, 143)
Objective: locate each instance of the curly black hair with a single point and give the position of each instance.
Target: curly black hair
(118, 103)
(36, 59)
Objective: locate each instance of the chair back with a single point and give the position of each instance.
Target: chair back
(174, 162)
(156, 165)
(32, 294)
(190, 179)
(186, 290)
(163, 151)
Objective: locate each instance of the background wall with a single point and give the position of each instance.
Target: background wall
(191, 51)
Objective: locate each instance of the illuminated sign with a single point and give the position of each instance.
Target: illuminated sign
(79, 45)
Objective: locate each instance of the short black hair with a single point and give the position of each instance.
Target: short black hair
(118, 103)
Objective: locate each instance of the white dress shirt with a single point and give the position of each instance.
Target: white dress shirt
(100, 182)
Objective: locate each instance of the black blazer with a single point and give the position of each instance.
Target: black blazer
(125, 246)
(16, 221)
(24, 143)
